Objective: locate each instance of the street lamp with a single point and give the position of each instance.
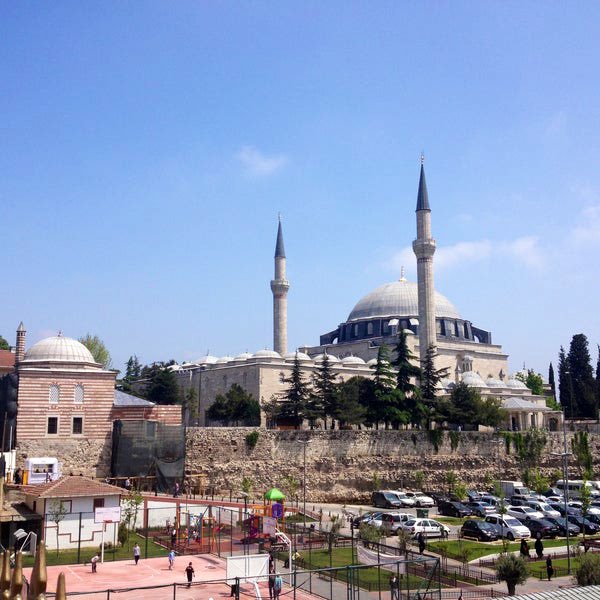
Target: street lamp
(304, 444)
(244, 532)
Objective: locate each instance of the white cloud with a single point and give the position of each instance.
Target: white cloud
(525, 250)
(462, 252)
(588, 230)
(257, 164)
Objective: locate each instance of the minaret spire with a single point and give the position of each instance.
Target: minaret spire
(20, 347)
(280, 286)
(424, 249)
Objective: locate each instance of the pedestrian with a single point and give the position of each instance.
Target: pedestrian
(539, 546)
(171, 559)
(524, 549)
(94, 562)
(128, 484)
(176, 490)
(136, 553)
(460, 596)
(277, 587)
(394, 587)
(421, 542)
(173, 536)
(549, 568)
(189, 571)
(272, 577)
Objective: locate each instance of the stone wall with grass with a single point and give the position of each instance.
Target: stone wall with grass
(345, 466)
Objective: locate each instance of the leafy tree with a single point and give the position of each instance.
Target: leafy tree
(332, 532)
(582, 378)
(237, 407)
(57, 511)
(531, 445)
(551, 380)
(133, 369)
(379, 399)
(598, 378)
(324, 388)
(98, 350)
(131, 506)
(583, 455)
(585, 497)
(451, 480)
(430, 376)
(369, 533)
(465, 406)
(565, 384)
(291, 486)
(190, 404)
(295, 398)
(348, 409)
(247, 485)
(588, 570)
(419, 479)
(161, 387)
(383, 374)
(4, 345)
(406, 370)
(533, 381)
(513, 570)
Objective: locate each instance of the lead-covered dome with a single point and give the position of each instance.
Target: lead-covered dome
(399, 299)
(59, 348)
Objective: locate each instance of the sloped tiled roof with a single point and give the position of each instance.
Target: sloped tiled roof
(7, 359)
(72, 486)
(591, 592)
(124, 399)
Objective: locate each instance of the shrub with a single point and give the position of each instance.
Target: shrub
(436, 437)
(513, 570)
(588, 571)
(252, 439)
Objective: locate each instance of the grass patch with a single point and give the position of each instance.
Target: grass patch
(299, 518)
(453, 520)
(69, 557)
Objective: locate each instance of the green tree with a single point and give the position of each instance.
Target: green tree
(588, 570)
(585, 497)
(133, 369)
(294, 400)
(98, 350)
(466, 407)
(190, 404)
(131, 506)
(583, 456)
(379, 399)
(348, 409)
(598, 378)
(237, 408)
(291, 486)
(406, 370)
(324, 391)
(247, 485)
(531, 446)
(57, 511)
(533, 381)
(4, 345)
(565, 384)
(161, 386)
(430, 376)
(582, 378)
(551, 380)
(419, 479)
(513, 570)
(369, 533)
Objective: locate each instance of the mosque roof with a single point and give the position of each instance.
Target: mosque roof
(124, 399)
(59, 348)
(514, 403)
(422, 197)
(399, 299)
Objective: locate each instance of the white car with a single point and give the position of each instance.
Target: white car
(404, 499)
(544, 508)
(420, 498)
(524, 512)
(592, 510)
(392, 521)
(509, 527)
(428, 527)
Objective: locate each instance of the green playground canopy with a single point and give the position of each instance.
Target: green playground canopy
(274, 494)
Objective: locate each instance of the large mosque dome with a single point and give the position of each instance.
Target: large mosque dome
(59, 348)
(399, 299)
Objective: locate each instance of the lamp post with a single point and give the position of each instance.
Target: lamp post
(244, 532)
(304, 444)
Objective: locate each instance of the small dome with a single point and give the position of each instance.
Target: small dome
(224, 359)
(174, 367)
(59, 349)
(207, 360)
(372, 362)
(494, 383)
(332, 359)
(408, 331)
(516, 384)
(352, 360)
(302, 357)
(188, 365)
(445, 383)
(266, 354)
(473, 379)
(243, 356)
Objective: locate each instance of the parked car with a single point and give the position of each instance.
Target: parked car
(544, 508)
(510, 527)
(429, 527)
(543, 527)
(371, 516)
(592, 510)
(560, 507)
(552, 492)
(405, 500)
(584, 524)
(473, 495)
(480, 530)
(453, 509)
(437, 496)
(480, 508)
(385, 499)
(490, 499)
(421, 499)
(519, 500)
(562, 523)
(392, 521)
(524, 512)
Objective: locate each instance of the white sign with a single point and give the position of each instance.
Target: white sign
(269, 525)
(253, 567)
(111, 514)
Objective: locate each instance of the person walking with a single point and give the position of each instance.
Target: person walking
(549, 568)
(524, 549)
(277, 586)
(421, 542)
(539, 546)
(394, 587)
(94, 562)
(176, 491)
(189, 571)
(136, 553)
(173, 536)
(272, 577)
(171, 559)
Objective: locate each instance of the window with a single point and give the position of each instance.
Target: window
(98, 503)
(77, 425)
(54, 394)
(369, 328)
(52, 426)
(151, 429)
(245, 379)
(386, 327)
(78, 394)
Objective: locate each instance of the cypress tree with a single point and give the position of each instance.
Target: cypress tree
(378, 398)
(551, 379)
(430, 376)
(406, 369)
(295, 397)
(324, 399)
(582, 378)
(598, 379)
(565, 388)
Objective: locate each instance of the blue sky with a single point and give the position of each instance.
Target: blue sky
(148, 147)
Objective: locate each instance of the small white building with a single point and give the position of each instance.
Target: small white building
(68, 506)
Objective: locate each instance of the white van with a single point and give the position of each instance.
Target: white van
(575, 486)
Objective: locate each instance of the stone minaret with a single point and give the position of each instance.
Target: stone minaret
(280, 286)
(20, 348)
(424, 249)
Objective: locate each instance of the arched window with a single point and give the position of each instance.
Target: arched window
(54, 394)
(245, 379)
(79, 394)
(369, 328)
(225, 381)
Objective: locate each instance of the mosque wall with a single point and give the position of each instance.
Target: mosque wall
(341, 465)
